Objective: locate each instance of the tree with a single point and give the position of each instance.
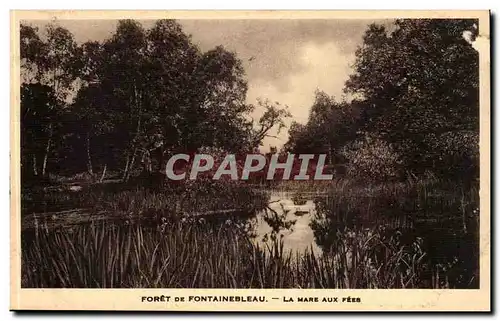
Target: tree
(32, 50)
(123, 79)
(58, 63)
(222, 110)
(171, 62)
(37, 109)
(33, 97)
(50, 64)
(273, 115)
(92, 122)
(135, 97)
(330, 126)
(421, 82)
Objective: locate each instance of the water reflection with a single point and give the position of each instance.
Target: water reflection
(288, 217)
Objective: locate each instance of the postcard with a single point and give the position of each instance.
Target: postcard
(250, 160)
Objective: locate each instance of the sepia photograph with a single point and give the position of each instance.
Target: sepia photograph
(251, 152)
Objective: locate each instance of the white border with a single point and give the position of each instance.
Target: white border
(147, 4)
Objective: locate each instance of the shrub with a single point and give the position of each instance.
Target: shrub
(372, 158)
(454, 154)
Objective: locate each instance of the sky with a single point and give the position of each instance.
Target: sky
(284, 60)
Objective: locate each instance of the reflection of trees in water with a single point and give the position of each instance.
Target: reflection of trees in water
(277, 221)
(431, 232)
(247, 226)
(299, 199)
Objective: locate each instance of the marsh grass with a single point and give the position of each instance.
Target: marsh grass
(202, 256)
(121, 199)
(305, 187)
(437, 220)
(413, 234)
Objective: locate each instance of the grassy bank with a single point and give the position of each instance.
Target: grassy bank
(127, 199)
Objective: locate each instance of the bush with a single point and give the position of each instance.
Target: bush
(454, 154)
(372, 158)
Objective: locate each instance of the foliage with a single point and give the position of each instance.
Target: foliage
(416, 234)
(372, 159)
(433, 217)
(139, 198)
(143, 94)
(330, 126)
(134, 99)
(414, 85)
(421, 81)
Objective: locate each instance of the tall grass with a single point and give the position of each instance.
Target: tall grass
(439, 218)
(177, 255)
(413, 234)
(124, 200)
(306, 186)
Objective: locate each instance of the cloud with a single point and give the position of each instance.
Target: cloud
(324, 67)
(275, 44)
(292, 58)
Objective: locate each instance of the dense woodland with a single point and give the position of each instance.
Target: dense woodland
(129, 102)
(415, 106)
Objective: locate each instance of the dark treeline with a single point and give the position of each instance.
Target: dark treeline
(415, 106)
(130, 101)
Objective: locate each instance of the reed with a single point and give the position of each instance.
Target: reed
(197, 256)
(422, 235)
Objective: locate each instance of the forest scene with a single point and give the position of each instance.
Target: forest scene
(99, 120)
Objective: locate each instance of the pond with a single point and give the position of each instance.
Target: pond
(289, 219)
(352, 239)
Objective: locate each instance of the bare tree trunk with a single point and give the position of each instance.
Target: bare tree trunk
(131, 166)
(103, 173)
(146, 161)
(45, 157)
(47, 150)
(35, 169)
(464, 216)
(89, 158)
(131, 159)
(161, 160)
(125, 171)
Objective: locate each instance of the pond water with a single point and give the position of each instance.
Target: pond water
(289, 219)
